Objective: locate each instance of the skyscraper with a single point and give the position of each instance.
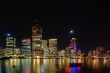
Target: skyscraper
(26, 47)
(37, 40)
(10, 44)
(73, 43)
(71, 48)
(53, 47)
(45, 48)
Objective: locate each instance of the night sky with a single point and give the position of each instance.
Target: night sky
(89, 20)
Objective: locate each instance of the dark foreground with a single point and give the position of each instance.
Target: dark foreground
(54, 66)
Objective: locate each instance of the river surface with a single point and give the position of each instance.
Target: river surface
(54, 66)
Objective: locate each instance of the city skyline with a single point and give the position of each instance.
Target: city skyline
(71, 32)
(55, 36)
(67, 34)
(89, 21)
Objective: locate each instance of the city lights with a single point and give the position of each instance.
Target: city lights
(55, 36)
(39, 50)
(37, 47)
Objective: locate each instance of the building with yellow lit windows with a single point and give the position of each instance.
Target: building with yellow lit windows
(10, 44)
(26, 47)
(37, 41)
(53, 47)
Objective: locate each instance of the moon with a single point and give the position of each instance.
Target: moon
(71, 31)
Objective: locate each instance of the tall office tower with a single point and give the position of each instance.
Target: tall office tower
(10, 44)
(26, 47)
(52, 47)
(37, 40)
(71, 48)
(73, 43)
(45, 48)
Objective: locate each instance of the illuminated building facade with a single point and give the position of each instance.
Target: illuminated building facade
(26, 47)
(10, 44)
(37, 41)
(45, 48)
(73, 43)
(17, 50)
(62, 53)
(71, 48)
(52, 47)
(3, 52)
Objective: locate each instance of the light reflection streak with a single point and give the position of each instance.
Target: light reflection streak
(28, 70)
(49, 65)
(38, 66)
(0, 68)
(73, 69)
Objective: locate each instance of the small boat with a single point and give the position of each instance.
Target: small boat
(14, 66)
(75, 64)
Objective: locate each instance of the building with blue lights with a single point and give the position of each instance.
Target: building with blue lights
(10, 44)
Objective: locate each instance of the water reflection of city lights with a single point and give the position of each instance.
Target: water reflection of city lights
(34, 62)
(49, 65)
(43, 68)
(38, 61)
(0, 68)
(14, 62)
(73, 69)
(104, 61)
(97, 64)
(28, 70)
(68, 69)
(79, 68)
